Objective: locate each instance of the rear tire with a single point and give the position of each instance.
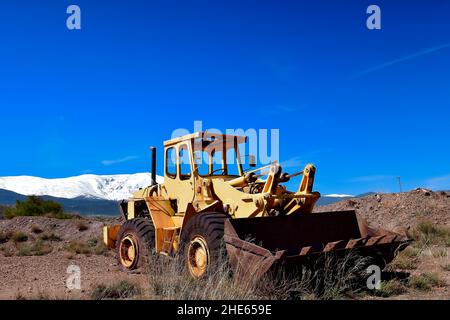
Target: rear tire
(202, 243)
(134, 244)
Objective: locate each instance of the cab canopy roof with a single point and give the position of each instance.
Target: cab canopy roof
(210, 137)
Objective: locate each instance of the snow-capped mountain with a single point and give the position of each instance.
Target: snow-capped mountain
(331, 198)
(107, 187)
(335, 195)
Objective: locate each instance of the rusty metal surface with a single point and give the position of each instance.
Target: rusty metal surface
(256, 245)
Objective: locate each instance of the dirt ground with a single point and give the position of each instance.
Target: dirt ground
(402, 212)
(44, 276)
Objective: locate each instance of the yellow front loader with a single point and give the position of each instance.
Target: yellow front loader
(209, 204)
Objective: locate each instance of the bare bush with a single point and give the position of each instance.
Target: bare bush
(119, 290)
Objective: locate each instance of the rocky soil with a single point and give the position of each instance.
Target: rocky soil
(35, 252)
(44, 276)
(398, 211)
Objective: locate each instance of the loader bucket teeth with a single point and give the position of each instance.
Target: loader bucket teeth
(256, 245)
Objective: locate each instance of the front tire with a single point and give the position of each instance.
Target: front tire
(134, 244)
(202, 243)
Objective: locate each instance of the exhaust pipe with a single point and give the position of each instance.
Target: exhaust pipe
(153, 170)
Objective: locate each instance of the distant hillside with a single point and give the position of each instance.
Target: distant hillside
(397, 211)
(92, 206)
(326, 200)
(80, 205)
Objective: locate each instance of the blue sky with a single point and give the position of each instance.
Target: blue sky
(364, 106)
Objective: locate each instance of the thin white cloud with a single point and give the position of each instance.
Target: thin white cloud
(117, 161)
(369, 178)
(294, 162)
(297, 162)
(402, 59)
(439, 183)
(336, 195)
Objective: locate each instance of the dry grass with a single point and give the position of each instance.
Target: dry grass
(41, 295)
(78, 247)
(92, 246)
(331, 278)
(8, 253)
(49, 237)
(169, 280)
(408, 259)
(391, 288)
(18, 236)
(439, 252)
(120, 290)
(427, 234)
(426, 281)
(38, 248)
(429, 240)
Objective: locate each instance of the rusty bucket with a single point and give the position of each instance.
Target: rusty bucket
(257, 245)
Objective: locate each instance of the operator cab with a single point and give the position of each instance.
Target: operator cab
(204, 154)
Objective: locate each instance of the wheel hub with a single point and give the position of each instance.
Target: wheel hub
(198, 256)
(128, 251)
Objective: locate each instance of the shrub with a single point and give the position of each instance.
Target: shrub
(19, 236)
(36, 229)
(408, 259)
(78, 247)
(82, 225)
(35, 206)
(390, 288)
(49, 237)
(39, 248)
(3, 237)
(97, 246)
(92, 246)
(19, 296)
(120, 290)
(426, 281)
(426, 233)
(8, 253)
(10, 213)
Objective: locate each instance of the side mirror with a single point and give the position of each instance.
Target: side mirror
(252, 160)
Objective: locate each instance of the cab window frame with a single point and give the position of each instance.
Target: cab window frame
(184, 176)
(171, 175)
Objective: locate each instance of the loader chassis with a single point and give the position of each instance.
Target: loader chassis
(209, 203)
